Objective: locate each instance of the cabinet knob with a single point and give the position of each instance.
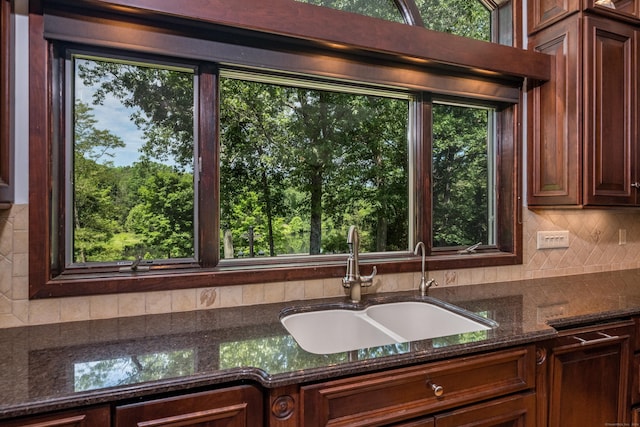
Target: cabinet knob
(636, 185)
(438, 390)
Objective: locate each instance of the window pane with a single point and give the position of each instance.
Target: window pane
(132, 181)
(468, 18)
(299, 166)
(383, 9)
(463, 176)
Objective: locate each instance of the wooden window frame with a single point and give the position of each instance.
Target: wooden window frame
(238, 30)
(6, 102)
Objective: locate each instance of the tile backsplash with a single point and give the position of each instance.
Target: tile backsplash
(594, 245)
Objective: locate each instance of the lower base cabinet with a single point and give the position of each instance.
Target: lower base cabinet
(239, 406)
(93, 417)
(583, 377)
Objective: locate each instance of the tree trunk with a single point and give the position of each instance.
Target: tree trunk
(267, 197)
(315, 238)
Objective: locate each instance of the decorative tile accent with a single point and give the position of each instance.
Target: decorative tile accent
(208, 297)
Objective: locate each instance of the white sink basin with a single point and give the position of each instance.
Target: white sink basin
(340, 330)
(415, 320)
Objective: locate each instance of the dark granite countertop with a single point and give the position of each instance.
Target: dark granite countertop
(68, 365)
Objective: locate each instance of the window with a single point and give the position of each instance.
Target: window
(232, 160)
(6, 145)
(299, 165)
(473, 18)
(130, 175)
(384, 9)
(463, 171)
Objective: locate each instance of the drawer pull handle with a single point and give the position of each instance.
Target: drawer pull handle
(605, 338)
(438, 390)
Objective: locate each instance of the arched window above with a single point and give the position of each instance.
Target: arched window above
(383, 9)
(467, 18)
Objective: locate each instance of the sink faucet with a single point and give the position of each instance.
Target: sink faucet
(424, 283)
(352, 279)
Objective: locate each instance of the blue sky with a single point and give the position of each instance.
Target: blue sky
(111, 115)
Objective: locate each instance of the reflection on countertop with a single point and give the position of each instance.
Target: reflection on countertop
(55, 366)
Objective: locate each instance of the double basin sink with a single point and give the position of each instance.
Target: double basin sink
(327, 330)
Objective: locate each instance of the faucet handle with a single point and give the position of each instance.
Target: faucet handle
(425, 285)
(368, 280)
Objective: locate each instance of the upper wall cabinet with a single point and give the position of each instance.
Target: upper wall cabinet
(583, 132)
(543, 13)
(6, 149)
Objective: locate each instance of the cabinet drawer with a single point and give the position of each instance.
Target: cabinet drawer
(511, 411)
(239, 406)
(93, 417)
(410, 392)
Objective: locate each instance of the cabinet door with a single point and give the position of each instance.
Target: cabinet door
(95, 417)
(555, 125)
(542, 13)
(588, 378)
(513, 411)
(233, 407)
(609, 113)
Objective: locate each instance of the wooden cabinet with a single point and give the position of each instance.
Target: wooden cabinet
(583, 377)
(610, 97)
(583, 132)
(554, 127)
(94, 417)
(544, 13)
(239, 406)
(408, 393)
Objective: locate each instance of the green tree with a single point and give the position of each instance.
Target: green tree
(252, 117)
(164, 214)
(460, 175)
(467, 18)
(95, 219)
(384, 9)
(133, 369)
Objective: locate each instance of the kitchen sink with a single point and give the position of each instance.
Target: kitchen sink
(336, 330)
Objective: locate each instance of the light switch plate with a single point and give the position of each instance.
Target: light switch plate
(553, 239)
